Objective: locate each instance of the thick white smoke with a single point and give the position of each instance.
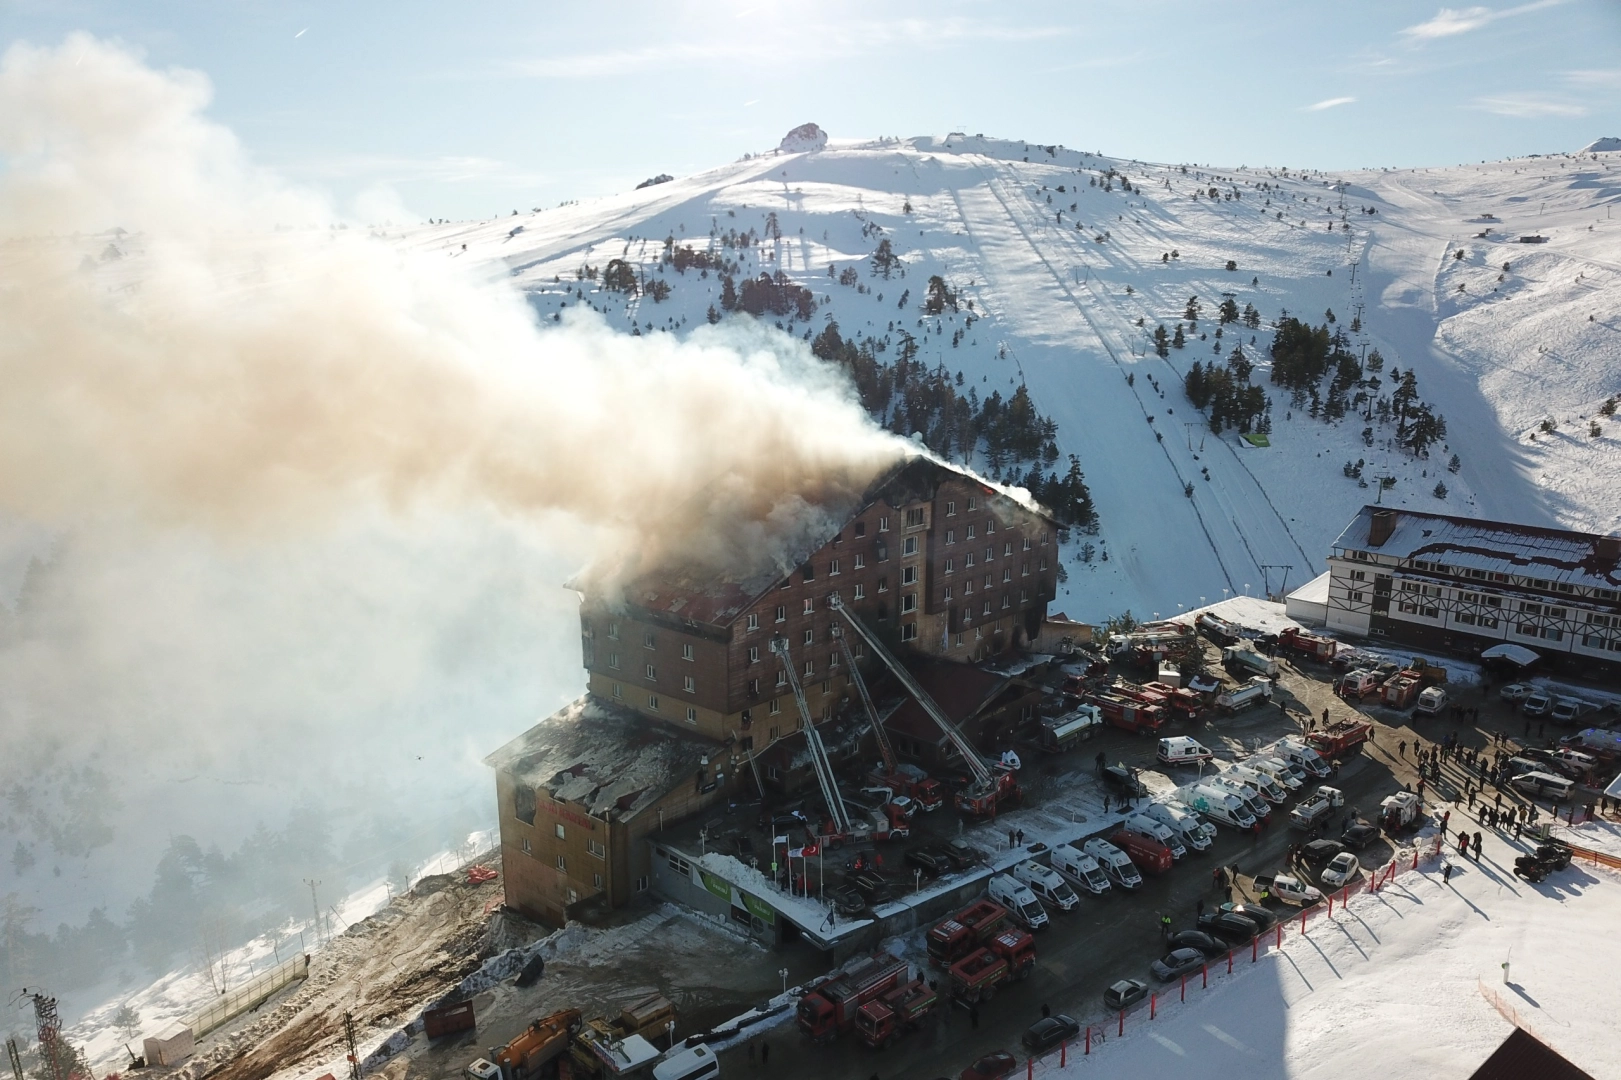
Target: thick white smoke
(311, 496)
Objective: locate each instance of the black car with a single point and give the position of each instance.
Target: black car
(848, 901)
(932, 861)
(1319, 853)
(872, 886)
(1255, 913)
(1197, 939)
(961, 855)
(993, 1066)
(1358, 836)
(1124, 781)
(1229, 927)
(1049, 1031)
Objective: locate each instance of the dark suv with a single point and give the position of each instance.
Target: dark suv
(1124, 781)
(932, 861)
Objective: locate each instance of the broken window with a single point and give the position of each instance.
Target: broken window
(523, 804)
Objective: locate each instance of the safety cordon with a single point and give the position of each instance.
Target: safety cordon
(1175, 993)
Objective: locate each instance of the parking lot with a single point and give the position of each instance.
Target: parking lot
(1118, 936)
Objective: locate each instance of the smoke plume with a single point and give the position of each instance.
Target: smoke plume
(309, 496)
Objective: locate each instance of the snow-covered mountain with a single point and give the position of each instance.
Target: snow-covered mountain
(1496, 285)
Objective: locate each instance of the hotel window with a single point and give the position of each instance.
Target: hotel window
(861, 591)
(558, 830)
(861, 528)
(1007, 574)
(1551, 634)
(1027, 543)
(754, 622)
(754, 654)
(968, 586)
(618, 691)
(1024, 568)
(653, 702)
(613, 631)
(810, 607)
(909, 603)
(595, 847)
(1007, 549)
(782, 613)
(810, 635)
(562, 863)
(990, 526)
(970, 533)
(1007, 601)
(776, 707)
(810, 668)
(648, 642)
(951, 536)
(883, 584)
(969, 561)
(692, 715)
(990, 554)
(833, 568)
(987, 581)
(909, 631)
(947, 594)
(613, 660)
(909, 575)
(686, 652)
(808, 572)
(596, 879)
(973, 503)
(950, 567)
(1043, 537)
(986, 609)
(914, 517)
(652, 674)
(754, 690)
(782, 677)
(861, 562)
(909, 546)
(883, 524)
(689, 684)
(526, 849)
(1024, 596)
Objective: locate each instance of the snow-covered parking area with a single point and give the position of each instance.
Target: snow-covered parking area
(1406, 982)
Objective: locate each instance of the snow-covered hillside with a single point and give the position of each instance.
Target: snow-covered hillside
(1063, 263)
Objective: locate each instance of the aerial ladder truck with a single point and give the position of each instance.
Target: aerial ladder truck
(839, 827)
(990, 787)
(901, 778)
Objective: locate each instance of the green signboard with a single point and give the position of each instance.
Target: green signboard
(719, 886)
(758, 908)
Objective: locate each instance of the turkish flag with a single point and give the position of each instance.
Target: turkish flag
(810, 849)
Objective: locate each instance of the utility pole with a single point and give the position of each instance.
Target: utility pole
(16, 1059)
(315, 907)
(1277, 566)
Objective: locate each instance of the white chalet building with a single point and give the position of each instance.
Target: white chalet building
(1452, 583)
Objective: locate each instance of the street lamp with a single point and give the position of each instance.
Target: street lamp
(782, 973)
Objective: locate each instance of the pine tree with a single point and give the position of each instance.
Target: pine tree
(1179, 340)
(1161, 343)
(728, 293)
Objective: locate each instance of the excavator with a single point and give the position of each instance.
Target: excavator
(992, 785)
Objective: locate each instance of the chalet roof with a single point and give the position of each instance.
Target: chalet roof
(1525, 1057)
(1548, 555)
(607, 759)
(718, 597)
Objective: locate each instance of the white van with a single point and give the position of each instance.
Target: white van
(1160, 831)
(1195, 833)
(690, 1063)
(1080, 869)
(1246, 794)
(1431, 701)
(1115, 863)
(1302, 755)
(1046, 883)
(1544, 785)
(1182, 750)
(1019, 900)
(1276, 769)
(1272, 791)
(1222, 806)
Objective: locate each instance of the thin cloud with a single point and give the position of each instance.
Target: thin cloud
(1529, 106)
(826, 42)
(1450, 22)
(1330, 103)
(1594, 79)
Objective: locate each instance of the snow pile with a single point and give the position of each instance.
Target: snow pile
(804, 138)
(1415, 980)
(1601, 146)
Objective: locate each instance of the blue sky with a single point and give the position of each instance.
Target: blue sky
(480, 108)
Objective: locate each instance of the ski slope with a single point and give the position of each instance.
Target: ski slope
(1057, 308)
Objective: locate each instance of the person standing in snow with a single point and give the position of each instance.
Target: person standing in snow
(1446, 872)
(1477, 847)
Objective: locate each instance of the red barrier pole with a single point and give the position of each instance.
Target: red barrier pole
(1063, 1053)
(1255, 948)
(1204, 976)
(1229, 961)
(1330, 907)
(1122, 1022)
(1415, 858)
(1153, 1005)
(1030, 1069)
(1280, 929)
(1345, 895)
(1184, 988)
(1088, 1048)
(1302, 922)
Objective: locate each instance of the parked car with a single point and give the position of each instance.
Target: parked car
(1516, 691)
(1197, 939)
(961, 855)
(1049, 1031)
(1339, 871)
(1359, 835)
(1176, 963)
(1124, 781)
(848, 901)
(993, 1066)
(1231, 928)
(1319, 853)
(932, 861)
(1566, 710)
(1260, 916)
(1536, 704)
(1126, 992)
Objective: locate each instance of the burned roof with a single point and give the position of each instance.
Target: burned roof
(610, 760)
(718, 596)
(1527, 551)
(961, 691)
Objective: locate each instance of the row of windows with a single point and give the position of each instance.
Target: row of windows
(1494, 576)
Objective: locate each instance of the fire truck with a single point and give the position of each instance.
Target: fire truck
(1009, 955)
(830, 1007)
(881, 1022)
(965, 931)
